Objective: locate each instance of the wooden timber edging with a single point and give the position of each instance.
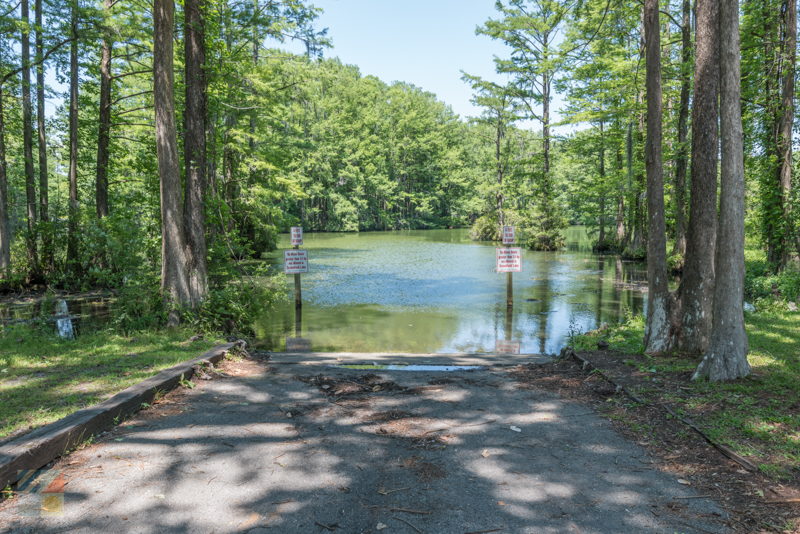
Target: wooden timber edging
(41, 446)
(568, 352)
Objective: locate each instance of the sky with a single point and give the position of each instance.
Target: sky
(424, 42)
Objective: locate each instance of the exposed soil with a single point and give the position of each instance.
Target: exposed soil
(677, 449)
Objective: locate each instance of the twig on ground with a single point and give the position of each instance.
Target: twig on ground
(407, 523)
(409, 511)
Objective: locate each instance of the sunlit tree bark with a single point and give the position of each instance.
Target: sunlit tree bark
(726, 358)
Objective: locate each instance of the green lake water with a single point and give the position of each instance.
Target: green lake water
(437, 291)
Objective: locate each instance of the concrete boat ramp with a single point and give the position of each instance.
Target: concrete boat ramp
(298, 443)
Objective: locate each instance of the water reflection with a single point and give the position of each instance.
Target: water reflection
(88, 311)
(436, 291)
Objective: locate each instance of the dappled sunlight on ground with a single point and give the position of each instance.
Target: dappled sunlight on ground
(348, 450)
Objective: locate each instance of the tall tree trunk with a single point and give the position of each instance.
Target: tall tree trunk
(27, 141)
(195, 150)
(619, 233)
(546, 123)
(44, 215)
(174, 279)
(104, 123)
(696, 292)
(772, 199)
(601, 239)
(786, 122)
(726, 358)
(73, 261)
(682, 153)
(5, 225)
(498, 144)
(657, 331)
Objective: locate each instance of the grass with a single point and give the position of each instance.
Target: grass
(44, 378)
(759, 416)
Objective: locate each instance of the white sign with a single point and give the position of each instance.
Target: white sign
(295, 261)
(509, 260)
(297, 235)
(509, 236)
(502, 346)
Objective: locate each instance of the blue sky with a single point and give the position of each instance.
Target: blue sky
(427, 43)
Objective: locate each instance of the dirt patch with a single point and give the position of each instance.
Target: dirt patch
(440, 381)
(675, 448)
(390, 415)
(425, 471)
(340, 387)
(241, 367)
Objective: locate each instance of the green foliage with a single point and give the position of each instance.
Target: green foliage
(139, 304)
(487, 227)
(234, 306)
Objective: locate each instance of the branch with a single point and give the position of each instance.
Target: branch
(39, 61)
(130, 96)
(7, 13)
(134, 109)
(118, 76)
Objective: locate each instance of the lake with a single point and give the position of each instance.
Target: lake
(437, 291)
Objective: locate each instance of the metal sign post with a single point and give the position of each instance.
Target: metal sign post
(295, 262)
(509, 260)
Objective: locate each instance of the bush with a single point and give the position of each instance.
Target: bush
(233, 307)
(139, 305)
(608, 246)
(760, 283)
(487, 227)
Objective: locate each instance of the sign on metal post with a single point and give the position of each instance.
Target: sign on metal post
(297, 236)
(509, 235)
(509, 260)
(295, 261)
(502, 346)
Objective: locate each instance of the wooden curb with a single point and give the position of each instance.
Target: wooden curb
(43, 445)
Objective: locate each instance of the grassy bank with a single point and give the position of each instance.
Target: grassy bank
(758, 417)
(44, 378)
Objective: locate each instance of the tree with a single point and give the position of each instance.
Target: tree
(659, 300)
(73, 261)
(174, 279)
(726, 357)
(783, 130)
(697, 283)
(682, 151)
(104, 120)
(44, 216)
(27, 141)
(530, 29)
(499, 114)
(5, 226)
(195, 150)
